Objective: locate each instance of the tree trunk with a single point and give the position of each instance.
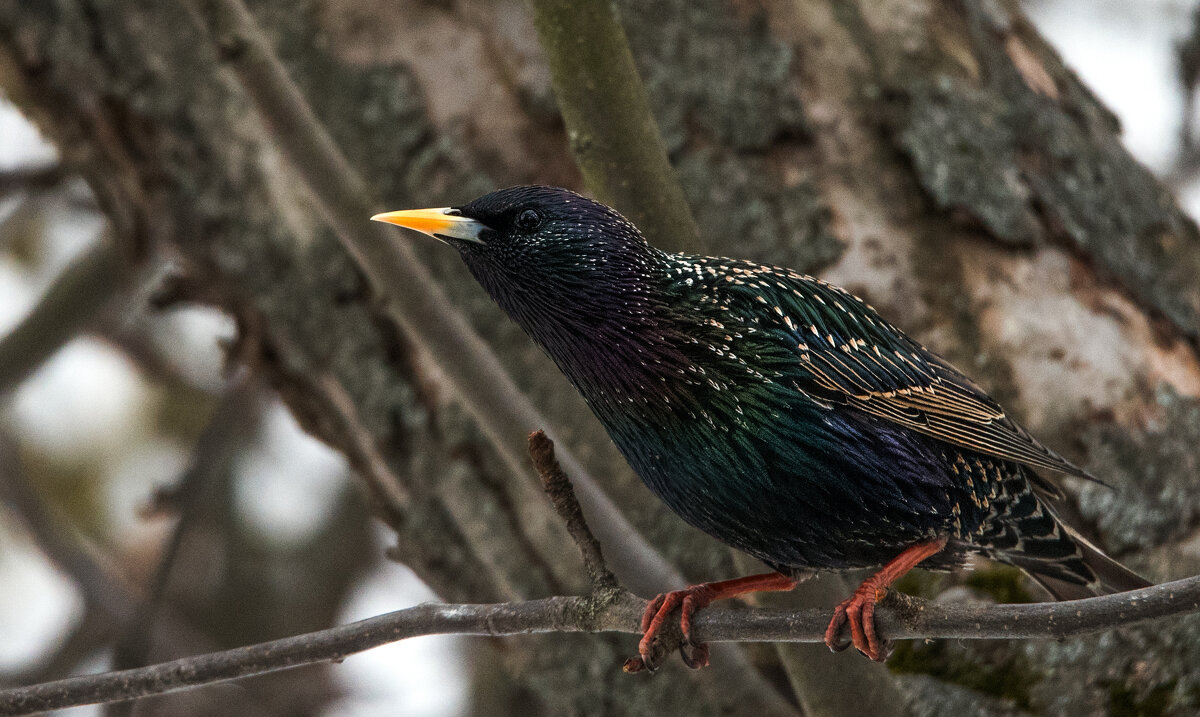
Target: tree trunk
(936, 158)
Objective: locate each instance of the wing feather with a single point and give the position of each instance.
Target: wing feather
(850, 356)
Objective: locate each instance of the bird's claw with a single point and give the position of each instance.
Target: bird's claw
(656, 642)
(858, 611)
(833, 634)
(697, 658)
(636, 664)
(653, 607)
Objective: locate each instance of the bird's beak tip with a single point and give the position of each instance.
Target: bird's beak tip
(440, 223)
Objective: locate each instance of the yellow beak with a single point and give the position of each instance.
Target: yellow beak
(442, 223)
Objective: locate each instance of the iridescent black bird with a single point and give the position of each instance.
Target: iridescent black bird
(772, 410)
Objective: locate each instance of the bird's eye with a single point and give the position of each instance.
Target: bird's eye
(529, 220)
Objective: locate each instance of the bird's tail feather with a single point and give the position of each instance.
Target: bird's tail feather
(1027, 532)
(1086, 572)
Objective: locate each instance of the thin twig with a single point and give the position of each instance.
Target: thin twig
(35, 177)
(910, 619)
(562, 496)
(100, 589)
(390, 491)
(75, 298)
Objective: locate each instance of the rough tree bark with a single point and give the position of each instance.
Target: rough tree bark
(936, 158)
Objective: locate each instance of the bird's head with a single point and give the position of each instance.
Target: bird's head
(575, 274)
(529, 233)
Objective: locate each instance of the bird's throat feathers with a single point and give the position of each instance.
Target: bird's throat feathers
(599, 315)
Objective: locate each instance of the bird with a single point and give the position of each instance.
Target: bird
(774, 411)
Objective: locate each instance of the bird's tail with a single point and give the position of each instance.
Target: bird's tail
(1101, 575)
(1064, 562)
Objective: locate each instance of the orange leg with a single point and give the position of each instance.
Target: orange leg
(689, 601)
(859, 608)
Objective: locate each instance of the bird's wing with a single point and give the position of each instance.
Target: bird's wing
(850, 356)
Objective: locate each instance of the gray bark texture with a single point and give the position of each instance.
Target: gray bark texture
(935, 158)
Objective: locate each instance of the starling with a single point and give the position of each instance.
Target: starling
(772, 410)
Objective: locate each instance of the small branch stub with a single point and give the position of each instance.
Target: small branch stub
(562, 496)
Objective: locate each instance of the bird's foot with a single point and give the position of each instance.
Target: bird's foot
(656, 636)
(859, 611)
(655, 623)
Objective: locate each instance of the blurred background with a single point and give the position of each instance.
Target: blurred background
(106, 431)
(159, 474)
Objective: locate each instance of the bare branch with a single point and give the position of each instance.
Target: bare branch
(101, 590)
(392, 493)
(35, 177)
(613, 134)
(75, 298)
(902, 619)
(562, 496)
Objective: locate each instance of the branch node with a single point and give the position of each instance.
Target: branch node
(562, 496)
(906, 608)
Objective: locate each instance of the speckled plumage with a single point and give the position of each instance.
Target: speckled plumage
(772, 410)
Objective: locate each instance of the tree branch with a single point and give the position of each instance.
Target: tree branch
(612, 132)
(387, 488)
(607, 609)
(34, 177)
(101, 590)
(562, 496)
(898, 619)
(74, 299)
